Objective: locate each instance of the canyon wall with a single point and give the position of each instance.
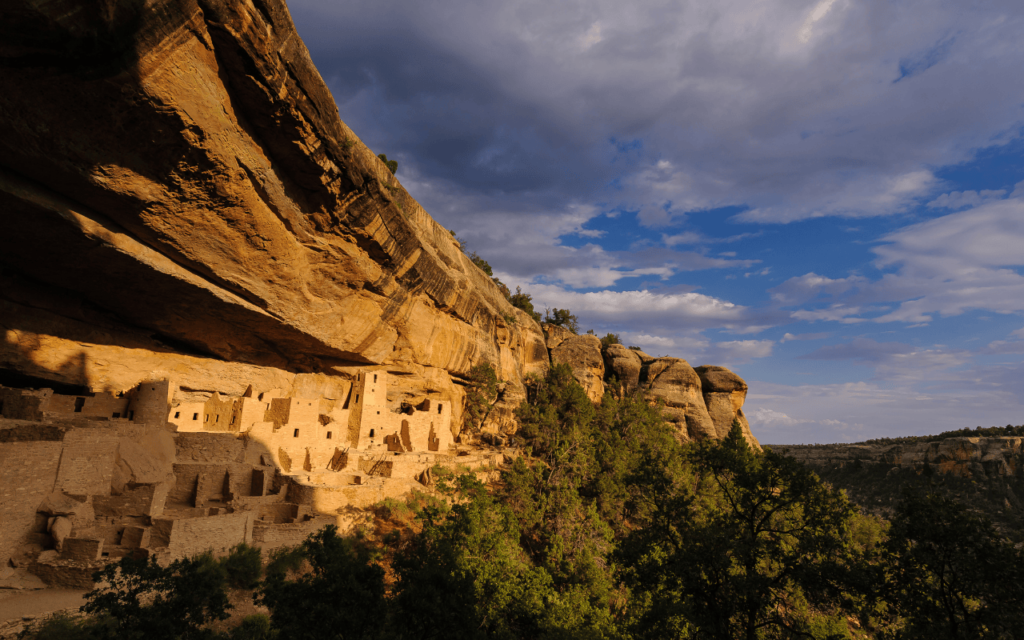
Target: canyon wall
(181, 199)
(985, 473)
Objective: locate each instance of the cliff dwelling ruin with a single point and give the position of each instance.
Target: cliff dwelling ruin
(166, 471)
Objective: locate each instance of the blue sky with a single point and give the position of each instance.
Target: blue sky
(827, 196)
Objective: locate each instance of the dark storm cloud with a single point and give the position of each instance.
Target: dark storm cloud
(788, 107)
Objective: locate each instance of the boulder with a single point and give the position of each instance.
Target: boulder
(724, 393)
(675, 382)
(624, 364)
(583, 355)
(77, 514)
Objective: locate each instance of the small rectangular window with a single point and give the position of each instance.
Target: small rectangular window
(79, 403)
(131, 415)
(357, 398)
(232, 419)
(177, 414)
(296, 435)
(328, 435)
(207, 419)
(439, 406)
(218, 419)
(117, 415)
(375, 377)
(195, 416)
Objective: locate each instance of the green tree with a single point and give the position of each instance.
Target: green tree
(392, 165)
(610, 339)
(342, 596)
(953, 576)
(480, 396)
(150, 602)
(562, 318)
(524, 301)
(740, 545)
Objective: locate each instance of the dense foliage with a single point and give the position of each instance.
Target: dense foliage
(608, 527)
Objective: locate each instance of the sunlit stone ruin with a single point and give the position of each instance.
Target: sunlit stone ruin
(165, 471)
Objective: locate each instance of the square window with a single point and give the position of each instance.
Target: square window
(117, 415)
(177, 414)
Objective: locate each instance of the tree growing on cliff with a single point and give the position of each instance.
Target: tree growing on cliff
(562, 318)
(481, 394)
(392, 165)
(524, 301)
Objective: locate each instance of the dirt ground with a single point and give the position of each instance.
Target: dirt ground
(16, 604)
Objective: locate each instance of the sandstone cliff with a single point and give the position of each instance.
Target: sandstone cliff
(182, 198)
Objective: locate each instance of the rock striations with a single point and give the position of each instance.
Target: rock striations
(222, 317)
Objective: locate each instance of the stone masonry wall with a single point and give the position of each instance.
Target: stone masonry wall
(28, 471)
(87, 462)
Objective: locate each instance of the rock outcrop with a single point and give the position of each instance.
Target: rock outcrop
(675, 382)
(187, 198)
(582, 354)
(624, 364)
(702, 403)
(724, 393)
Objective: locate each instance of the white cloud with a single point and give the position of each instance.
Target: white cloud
(681, 311)
(810, 285)
(769, 417)
(836, 313)
(739, 351)
(789, 337)
(965, 199)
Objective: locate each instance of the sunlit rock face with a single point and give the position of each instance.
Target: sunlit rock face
(185, 197)
(724, 394)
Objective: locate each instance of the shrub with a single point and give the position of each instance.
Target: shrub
(285, 559)
(610, 339)
(481, 263)
(392, 165)
(255, 627)
(244, 566)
